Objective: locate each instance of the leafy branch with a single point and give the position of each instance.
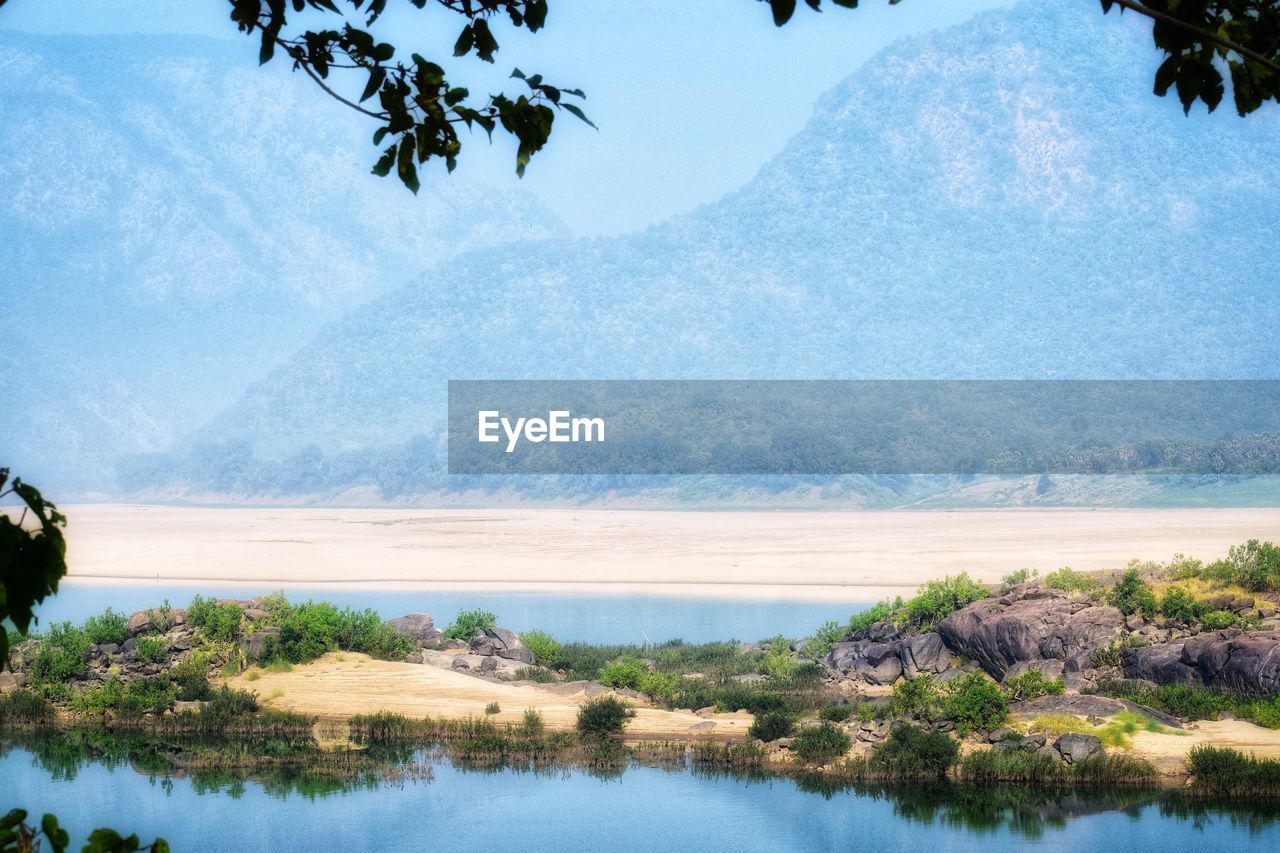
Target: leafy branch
(417, 109)
(32, 558)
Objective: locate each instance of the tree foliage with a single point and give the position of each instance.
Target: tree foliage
(415, 106)
(32, 558)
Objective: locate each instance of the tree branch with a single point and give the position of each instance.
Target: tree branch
(320, 82)
(1206, 35)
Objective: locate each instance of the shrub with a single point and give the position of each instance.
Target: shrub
(227, 705)
(1032, 684)
(1256, 565)
(468, 622)
(938, 599)
(1068, 579)
(913, 752)
(154, 695)
(1132, 594)
(60, 655)
(835, 713)
(107, 627)
(772, 725)
(1186, 701)
(820, 744)
(1180, 605)
(492, 708)
(916, 698)
(1017, 578)
(877, 612)
(24, 708)
(531, 724)
(533, 673)
(544, 646)
(152, 649)
(624, 672)
(1182, 567)
(220, 622)
(603, 716)
(1227, 771)
(778, 661)
(1216, 620)
(827, 635)
(974, 702)
(741, 698)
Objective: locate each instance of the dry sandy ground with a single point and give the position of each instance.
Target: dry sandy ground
(340, 685)
(1169, 751)
(853, 555)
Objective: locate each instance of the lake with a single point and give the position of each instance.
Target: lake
(587, 618)
(644, 808)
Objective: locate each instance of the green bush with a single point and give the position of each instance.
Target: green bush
(468, 622)
(492, 708)
(1227, 771)
(1068, 579)
(309, 629)
(913, 752)
(915, 698)
(544, 646)
(1186, 701)
(220, 622)
(603, 717)
(1216, 620)
(772, 725)
(227, 705)
(1256, 565)
(779, 663)
(1032, 684)
(152, 649)
(820, 744)
(877, 612)
(107, 627)
(1180, 605)
(24, 708)
(835, 713)
(132, 699)
(60, 655)
(741, 698)
(624, 672)
(531, 724)
(1132, 594)
(1017, 578)
(974, 702)
(827, 635)
(938, 599)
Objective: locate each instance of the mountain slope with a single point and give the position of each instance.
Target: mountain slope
(177, 220)
(1003, 199)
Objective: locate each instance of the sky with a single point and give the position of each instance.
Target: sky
(691, 97)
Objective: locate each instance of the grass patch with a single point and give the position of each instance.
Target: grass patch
(1116, 733)
(1227, 771)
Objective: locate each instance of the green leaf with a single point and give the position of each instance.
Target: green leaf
(466, 39)
(376, 76)
(383, 167)
(579, 113)
(782, 11)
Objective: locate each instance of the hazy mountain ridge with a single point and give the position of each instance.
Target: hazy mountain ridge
(176, 220)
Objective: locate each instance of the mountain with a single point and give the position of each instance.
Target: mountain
(175, 221)
(1004, 199)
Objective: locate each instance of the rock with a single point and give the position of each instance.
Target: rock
(453, 645)
(254, 644)
(1000, 734)
(1033, 741)
(1243, 663)
(1049, 668)
(12, 681)
(706, 712)
(434, 658)
(1134, 622)
(130, 646)
(482, 645)
(750, 678)
(180, 641)
(705, 726)
(254, 614)
(489, 666)
(507, 644)
(875, 663)
(1075, 747)
(924, 654)
(109, 649)
(782, 742)
(1039, 624)
(138, 622)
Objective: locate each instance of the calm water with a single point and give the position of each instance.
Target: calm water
(592, 619)
(642, 809)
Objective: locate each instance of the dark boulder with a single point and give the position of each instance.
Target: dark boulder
(1040, 624)
(419, 626)
(1244, 663)
(1075, 747)
(924, 654)
(875, 663)
(501, 643)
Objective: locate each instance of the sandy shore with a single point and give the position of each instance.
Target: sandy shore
(340, 685)
(853, 555)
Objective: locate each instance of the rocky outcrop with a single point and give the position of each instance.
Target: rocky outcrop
(419, 626)
(924, 654)
(1246, 663)
(1075, 747)
(502, 643)
(874, 663)
(1030, 625)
